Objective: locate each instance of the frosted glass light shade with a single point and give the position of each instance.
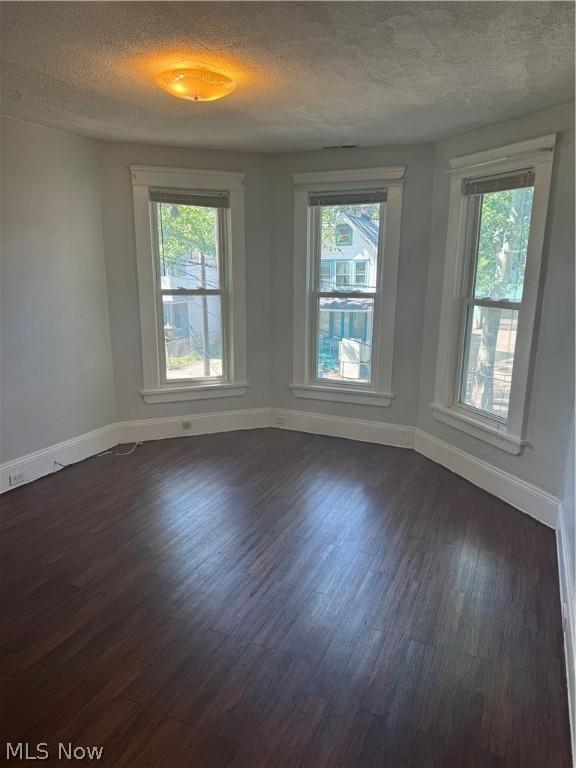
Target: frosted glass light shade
(198, 84)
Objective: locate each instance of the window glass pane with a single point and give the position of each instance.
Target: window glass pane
(349, 239)
(502, 243)
(188, 246)
(193, 336)
(344, 344)
(489, 359)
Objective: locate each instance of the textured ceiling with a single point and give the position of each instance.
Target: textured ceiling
(310, 74)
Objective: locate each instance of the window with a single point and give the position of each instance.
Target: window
(340, 356)
(344, 327)
(326, 275)
(189, 236)
(360, 327)
(343, 270)
(494, 249)
(343, 235)
(361, 272)
(500, 209)
(190, 244)
(176, 319)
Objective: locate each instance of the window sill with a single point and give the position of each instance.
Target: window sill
(198, 392)
(342, 395)
(478, 428)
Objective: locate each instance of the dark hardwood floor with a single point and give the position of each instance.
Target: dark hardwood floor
(270, 598)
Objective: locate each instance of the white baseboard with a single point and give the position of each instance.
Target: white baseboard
(48, 460)
(35, 465)
(511, 489)
(568, 599)
(338, 426)
(520, 494)
(507, 487)
(198, 424)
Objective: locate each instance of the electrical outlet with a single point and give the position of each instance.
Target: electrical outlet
(186, 425)
(16, 479)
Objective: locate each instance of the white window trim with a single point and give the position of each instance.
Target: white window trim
(154, 389)
(303, 382)
(538, 155)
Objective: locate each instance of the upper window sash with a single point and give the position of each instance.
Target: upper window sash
(221, 246)
(513, 166)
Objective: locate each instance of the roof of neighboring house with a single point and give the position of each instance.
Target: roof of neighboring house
(346, 304)
(366, 227)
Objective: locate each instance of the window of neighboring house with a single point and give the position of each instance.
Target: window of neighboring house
(176, 320)
(358, 325)
(343, 235)
(327, 275)
(494, 246)
(343, 273)
(181, 318)
(191, 280)
(344, 332)
(361, 272)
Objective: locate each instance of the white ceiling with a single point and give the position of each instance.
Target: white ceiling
(310, 73)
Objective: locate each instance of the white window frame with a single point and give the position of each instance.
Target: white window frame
(304, 381)
(536, 155)
(234, 383)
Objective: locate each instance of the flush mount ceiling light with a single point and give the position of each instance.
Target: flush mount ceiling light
(196, 83)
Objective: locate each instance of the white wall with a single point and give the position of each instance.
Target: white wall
(118, 228)
(56, 378)
(412, 275)
(550, 399)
